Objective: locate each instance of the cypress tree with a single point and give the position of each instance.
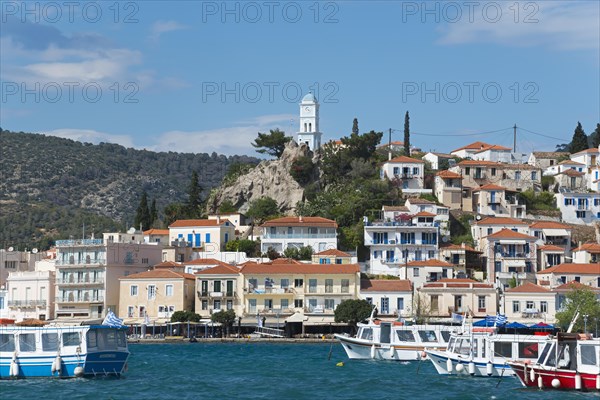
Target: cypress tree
(153, 213)
(595, 137)
(194, 197)
(406, 135)
(355, 126)
(142, 215)
(579, 141)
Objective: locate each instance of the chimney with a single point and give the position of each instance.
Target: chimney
(218, 219)
(463, 245)
(300, 219)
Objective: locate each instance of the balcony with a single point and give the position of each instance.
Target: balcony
(299, 235)
(26, 303)
(405, 176)
(521, 276)
(79, 242)
(79, 300)
(72, 262)
(75, 282)
(270, 290)
(479, 176)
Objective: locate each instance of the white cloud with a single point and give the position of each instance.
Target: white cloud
(91, 136)
(160, 27)
(563, 25)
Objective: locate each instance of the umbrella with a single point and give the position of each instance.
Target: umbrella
(542, 325)
(515, 325)
(483, 322)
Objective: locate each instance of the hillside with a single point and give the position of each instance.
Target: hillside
(50, 187)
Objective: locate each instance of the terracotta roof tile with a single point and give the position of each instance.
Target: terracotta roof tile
(570, 268)
(424, 214)
(445, 174)
(156, 232)
(434, 262)
(406, 160)
(551, 248)
(528, 287)
(589, 247)
(333, 252)
(182, 223)
(574, 285)
(549, 225)
(385, 285)
(500, 221)
(222, 269)
(159, 274)
(169, 264)
(571, 172)
(494, 147)
(451, 246)
(510, 234)
(472, 146)
(570, 162)
(587, 151)
(490, 186)
(205, 261)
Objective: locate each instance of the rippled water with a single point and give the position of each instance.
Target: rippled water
(271, 371)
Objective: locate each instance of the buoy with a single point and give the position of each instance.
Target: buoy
(78, 371)
(459, 367)
(423, 355)
(489, 369)
(340, 364)
(56, 365)
(14, 366)
(392, 353)
(532, 375)
(449, 365)
(555, 383)
(373, 352)
(597, 382)
(577, 381)
(471, 368)
(540, 382)
(525, 376)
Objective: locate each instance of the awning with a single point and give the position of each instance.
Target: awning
(297, 317)
(556, 232)
(512, 241)
(514, 263)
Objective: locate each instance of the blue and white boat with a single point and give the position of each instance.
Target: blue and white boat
(62, 351)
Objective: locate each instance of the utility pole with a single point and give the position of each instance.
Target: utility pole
(390, 145)
(515, 138)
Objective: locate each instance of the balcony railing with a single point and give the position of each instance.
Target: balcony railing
(91, 299)
(76, 282)
(79, 263)
(299, 235)
(79, 242)
(402, 223)
(26, 303)
(271, 290)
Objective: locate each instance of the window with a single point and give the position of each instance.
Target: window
(543, 306)
(285, 283)
(285, 303)
(528, 350)
(516, 306)
(529, 304)
(580, 214)
(385, 305)
(217, 305)
(130, 312)
(71, 339)
(151, 292)
(328, 285)
(144, 261)
(10, 264)
(345, 285)
(415, 272)
(369, 300)
(7, 342)
(252, 305)
(329, 304)
(517, 175)
(533, 175)
(298, 303)
(497, 266)
(49, 341)
(168, 290)
(400, 303)
(493, 171)
(312, 286)
(434, 302)
(481, 303)
(298, 283)
(415, 171)
(27, 342)
(490, 231)
(467, 170)
(217, 285)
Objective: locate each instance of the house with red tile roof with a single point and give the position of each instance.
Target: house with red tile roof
(554, 242)
(157, 236)
(155, 294)
(282, 233)
(392, 297)
(509, 254)
(484, 226)
(435, 159)
(586, 274)
(219, 288)
(477, 173)
(423, 271)
(544, 160)
(468, 150)
(405, 172)
(449, 191)
(529, 303)
(447, 296)
(466, 259)
(333, 256)
(440, 213)
(578, 207)
(587, 253)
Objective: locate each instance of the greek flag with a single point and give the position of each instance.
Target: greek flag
(501, 319)
(112, 320)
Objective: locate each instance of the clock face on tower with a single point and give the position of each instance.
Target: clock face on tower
(307, 108)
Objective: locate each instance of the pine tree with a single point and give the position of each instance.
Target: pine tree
(355, 126)
(595, 137)
(142, 215)
(579, 141)
(194, 197)
(153, 213)
(406, 135)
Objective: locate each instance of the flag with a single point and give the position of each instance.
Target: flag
(501, 319)
(457, 318)
(112, 320)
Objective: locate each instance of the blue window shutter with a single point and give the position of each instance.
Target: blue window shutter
(207, 238)
(197, 238)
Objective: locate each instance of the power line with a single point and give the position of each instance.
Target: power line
(450, 134)
(541, 134)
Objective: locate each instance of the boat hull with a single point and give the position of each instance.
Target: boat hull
(554, 379)
(480, 368)
(357, 349)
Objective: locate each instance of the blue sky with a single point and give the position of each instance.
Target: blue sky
(192, 76)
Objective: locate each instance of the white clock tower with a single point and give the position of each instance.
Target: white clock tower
(309, 123)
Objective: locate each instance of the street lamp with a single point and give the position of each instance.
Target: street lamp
(585, 318)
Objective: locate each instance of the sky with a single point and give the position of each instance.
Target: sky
(204, 76)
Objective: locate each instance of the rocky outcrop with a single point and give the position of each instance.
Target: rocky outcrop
(268, 179)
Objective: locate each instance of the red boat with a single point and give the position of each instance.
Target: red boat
(568, 361)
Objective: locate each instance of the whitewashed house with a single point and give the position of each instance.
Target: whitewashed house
(578, 207)
(490, 225)
(434, 159)
(441, 214)
(529, 303)
(201, 234)
(448, 296)
(498, 201)
(544, 159)
(408, 173)
(295, 232)
(391, 296)
(449, 191)
(31, 295)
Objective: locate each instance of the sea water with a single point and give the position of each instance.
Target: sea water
(250, 370)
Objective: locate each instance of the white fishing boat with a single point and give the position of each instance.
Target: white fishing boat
(382, 340)
(62, 351)
(484, 352)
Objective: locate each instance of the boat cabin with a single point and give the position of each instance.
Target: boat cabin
(571, 351)
(493, 348)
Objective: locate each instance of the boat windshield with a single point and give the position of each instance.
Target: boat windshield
(367, 333)
(503, 349)
(451, 343)
(588, 354)
(445, 336)
(405, 336)
(428, 336)
(528, 350)
(463, 346)
(105, 339)
(544, 353)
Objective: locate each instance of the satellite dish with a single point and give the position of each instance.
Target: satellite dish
(34, 250)
(478, 217)
(445, 239)
(10, 248)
